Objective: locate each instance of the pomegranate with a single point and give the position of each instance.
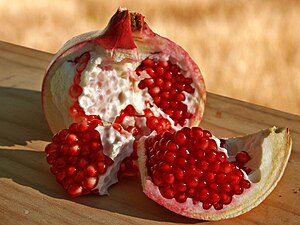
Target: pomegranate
(86, 157)
(125, 74)
(126, 95)
(194, 174)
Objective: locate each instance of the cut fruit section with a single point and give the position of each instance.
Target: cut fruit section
(188, 172)
(86, 157)
(125, 74)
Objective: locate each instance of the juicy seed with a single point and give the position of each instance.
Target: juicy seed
(242, 157)
(168, 82)
(75, 111)
(76, 157)
(188, 164)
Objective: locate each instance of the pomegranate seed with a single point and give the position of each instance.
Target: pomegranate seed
(165, 167)
(221, 156)
(157, 179)
(74, 150)
(51, 148)
(168, 178)
(189, 89)
(180, 197)
(71, 170)
(75, 190)
(71, 139)
(221, 177)
(172, 146)
(192, 181)
(213, 197)
(245, 184)
(148, 62)
(206, 205)
(225, 187)
(210, 176)
(211, 156)
(202, 194)
(180, 86)
(179, 173)
(79, 176)
(225, 198)
(226, 167)
(170, 156)
(163, 64)
(60, 163)
(242, 157)
(180, 162)
(90, 182)
(237, 189)
(77, 78)
(167, 192)
(159, 70)
(75, 91)
(101, 167)
(202, 144)
(218, 206)
(168, 75)
(197, 132)
(180, 137)
(203, 165)
(150, 72)
(60, 176)
(206, 133)
(91, 171)
(180, 187)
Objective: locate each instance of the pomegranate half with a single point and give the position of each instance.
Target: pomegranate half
(197, 175)
(127, 74)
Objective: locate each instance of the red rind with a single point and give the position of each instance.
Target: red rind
(118, 34)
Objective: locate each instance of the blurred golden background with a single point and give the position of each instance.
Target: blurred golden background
(248, 50)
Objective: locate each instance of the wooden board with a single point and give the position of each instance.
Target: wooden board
(29, 194)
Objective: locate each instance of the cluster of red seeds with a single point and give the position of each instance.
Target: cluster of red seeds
(76, 157)
(159, 124)
(241, 158)
(187, 164)
(166, 86)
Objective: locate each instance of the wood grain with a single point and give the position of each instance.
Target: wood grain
(30, 195)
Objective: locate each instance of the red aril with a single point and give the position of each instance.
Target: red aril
(125, 74)
(86, 157)
(207, 181)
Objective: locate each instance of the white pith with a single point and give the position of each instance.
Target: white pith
(269, 149)
(108, 87)
(116, 146)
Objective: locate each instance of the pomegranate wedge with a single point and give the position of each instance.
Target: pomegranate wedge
(197, 175)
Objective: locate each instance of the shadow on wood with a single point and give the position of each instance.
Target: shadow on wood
(29, 168)
(21, 117)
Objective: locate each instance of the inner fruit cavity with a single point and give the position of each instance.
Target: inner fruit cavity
(141, 96)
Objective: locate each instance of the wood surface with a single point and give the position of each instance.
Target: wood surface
(29, 194)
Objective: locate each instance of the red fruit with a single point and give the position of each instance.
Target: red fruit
(211, 186)
(82, 169)
(125, 74)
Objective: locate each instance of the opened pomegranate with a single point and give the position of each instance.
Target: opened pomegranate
(196, 175)
(125, 74)
(86, 157)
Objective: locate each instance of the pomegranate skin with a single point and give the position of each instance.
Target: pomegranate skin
(126, 37)
(269, 150)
